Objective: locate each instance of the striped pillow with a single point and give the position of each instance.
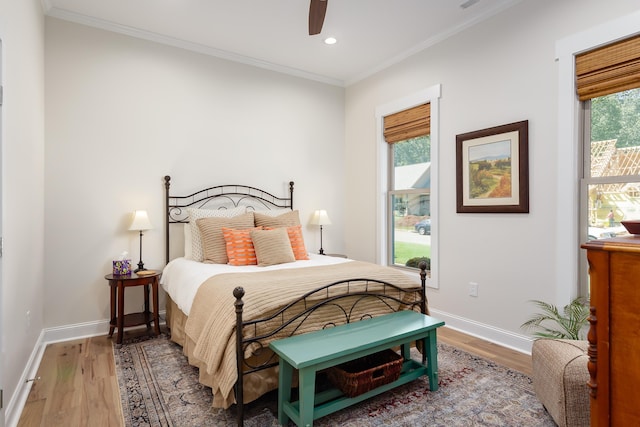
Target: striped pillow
(297, 241)
(288, 219)
(272, 246)
(213, 244)
(196, 252)
(240, 250)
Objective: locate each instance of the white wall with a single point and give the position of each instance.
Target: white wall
(498, 72)
(123, 112)
(22, 33)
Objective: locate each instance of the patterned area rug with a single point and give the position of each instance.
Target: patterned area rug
(159, 388)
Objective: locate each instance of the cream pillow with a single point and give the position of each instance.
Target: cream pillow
(272, 246)
(288, 219)
(297, 241)
(214, 247)
(196, 252)
(188, 250)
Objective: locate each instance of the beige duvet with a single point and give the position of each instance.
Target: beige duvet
(208, 333)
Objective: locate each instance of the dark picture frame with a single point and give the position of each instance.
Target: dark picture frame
(492, 169)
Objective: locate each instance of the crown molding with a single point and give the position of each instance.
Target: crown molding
(431, 42)
(182, 44)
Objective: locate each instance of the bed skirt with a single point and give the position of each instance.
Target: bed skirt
(255, 384)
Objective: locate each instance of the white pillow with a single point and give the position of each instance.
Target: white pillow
(187, 241)
(197, 254)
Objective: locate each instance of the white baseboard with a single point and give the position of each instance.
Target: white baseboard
(518, 342)
(82, 330)
(19, 398)
(49, 336)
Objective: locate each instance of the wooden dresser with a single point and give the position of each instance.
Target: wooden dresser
(614, 333)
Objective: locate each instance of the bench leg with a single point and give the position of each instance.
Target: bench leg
(431, 350)
(285, 376)
(307, 379)
(405, 351)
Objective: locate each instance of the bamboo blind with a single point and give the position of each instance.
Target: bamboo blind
(608, 69)
(407, 124)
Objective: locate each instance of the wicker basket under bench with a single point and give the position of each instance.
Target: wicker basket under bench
(315, 351)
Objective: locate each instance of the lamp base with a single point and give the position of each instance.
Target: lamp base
(321, 250)
(140, 267)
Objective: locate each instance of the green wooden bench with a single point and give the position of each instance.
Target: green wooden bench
(314, 351)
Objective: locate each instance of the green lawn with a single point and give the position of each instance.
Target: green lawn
(405, 251)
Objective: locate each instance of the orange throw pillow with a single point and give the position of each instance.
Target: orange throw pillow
(240, 250)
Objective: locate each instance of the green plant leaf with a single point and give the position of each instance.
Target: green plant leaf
(551, 323)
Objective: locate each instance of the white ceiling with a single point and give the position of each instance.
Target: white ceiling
(273, 34)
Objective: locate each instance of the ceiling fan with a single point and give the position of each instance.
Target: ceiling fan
(317, 10)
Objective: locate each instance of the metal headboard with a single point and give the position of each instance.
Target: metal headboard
(218, 197)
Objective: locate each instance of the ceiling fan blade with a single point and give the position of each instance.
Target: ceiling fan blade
(317, 10)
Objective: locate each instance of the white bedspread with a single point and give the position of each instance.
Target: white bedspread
(182, 277)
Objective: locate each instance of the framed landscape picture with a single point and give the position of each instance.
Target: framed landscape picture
(492, 169)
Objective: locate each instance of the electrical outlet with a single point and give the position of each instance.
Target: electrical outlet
(473, 289)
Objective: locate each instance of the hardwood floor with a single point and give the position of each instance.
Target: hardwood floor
(78, 384)
(504, 356)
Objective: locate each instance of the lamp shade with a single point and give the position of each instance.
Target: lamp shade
(140, 221)
(320, 217)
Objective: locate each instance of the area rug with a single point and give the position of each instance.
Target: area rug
(159, 388)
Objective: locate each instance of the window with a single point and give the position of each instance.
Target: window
(608, 84)
(407, 182)
(611, 162)
(409, 208)
(569, 278)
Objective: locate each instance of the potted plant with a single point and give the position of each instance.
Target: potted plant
(551, 323)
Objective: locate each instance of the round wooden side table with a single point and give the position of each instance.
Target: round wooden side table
(120, 320)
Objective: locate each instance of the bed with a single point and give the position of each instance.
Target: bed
(240, 276)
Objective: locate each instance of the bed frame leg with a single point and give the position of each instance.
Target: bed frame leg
(239, 304)
(423, 283)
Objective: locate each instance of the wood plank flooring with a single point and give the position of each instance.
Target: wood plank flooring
(503, 356)
(78, 384)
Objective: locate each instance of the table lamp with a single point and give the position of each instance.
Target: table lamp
(140, 222)
(320, 218)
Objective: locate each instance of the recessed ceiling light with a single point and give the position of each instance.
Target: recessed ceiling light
(330, 40)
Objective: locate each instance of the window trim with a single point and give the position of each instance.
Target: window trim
(429, 95)
(583, 220)
(569, 145)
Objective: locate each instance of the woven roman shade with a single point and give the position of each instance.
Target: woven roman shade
(407, 124)
(608, 69)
